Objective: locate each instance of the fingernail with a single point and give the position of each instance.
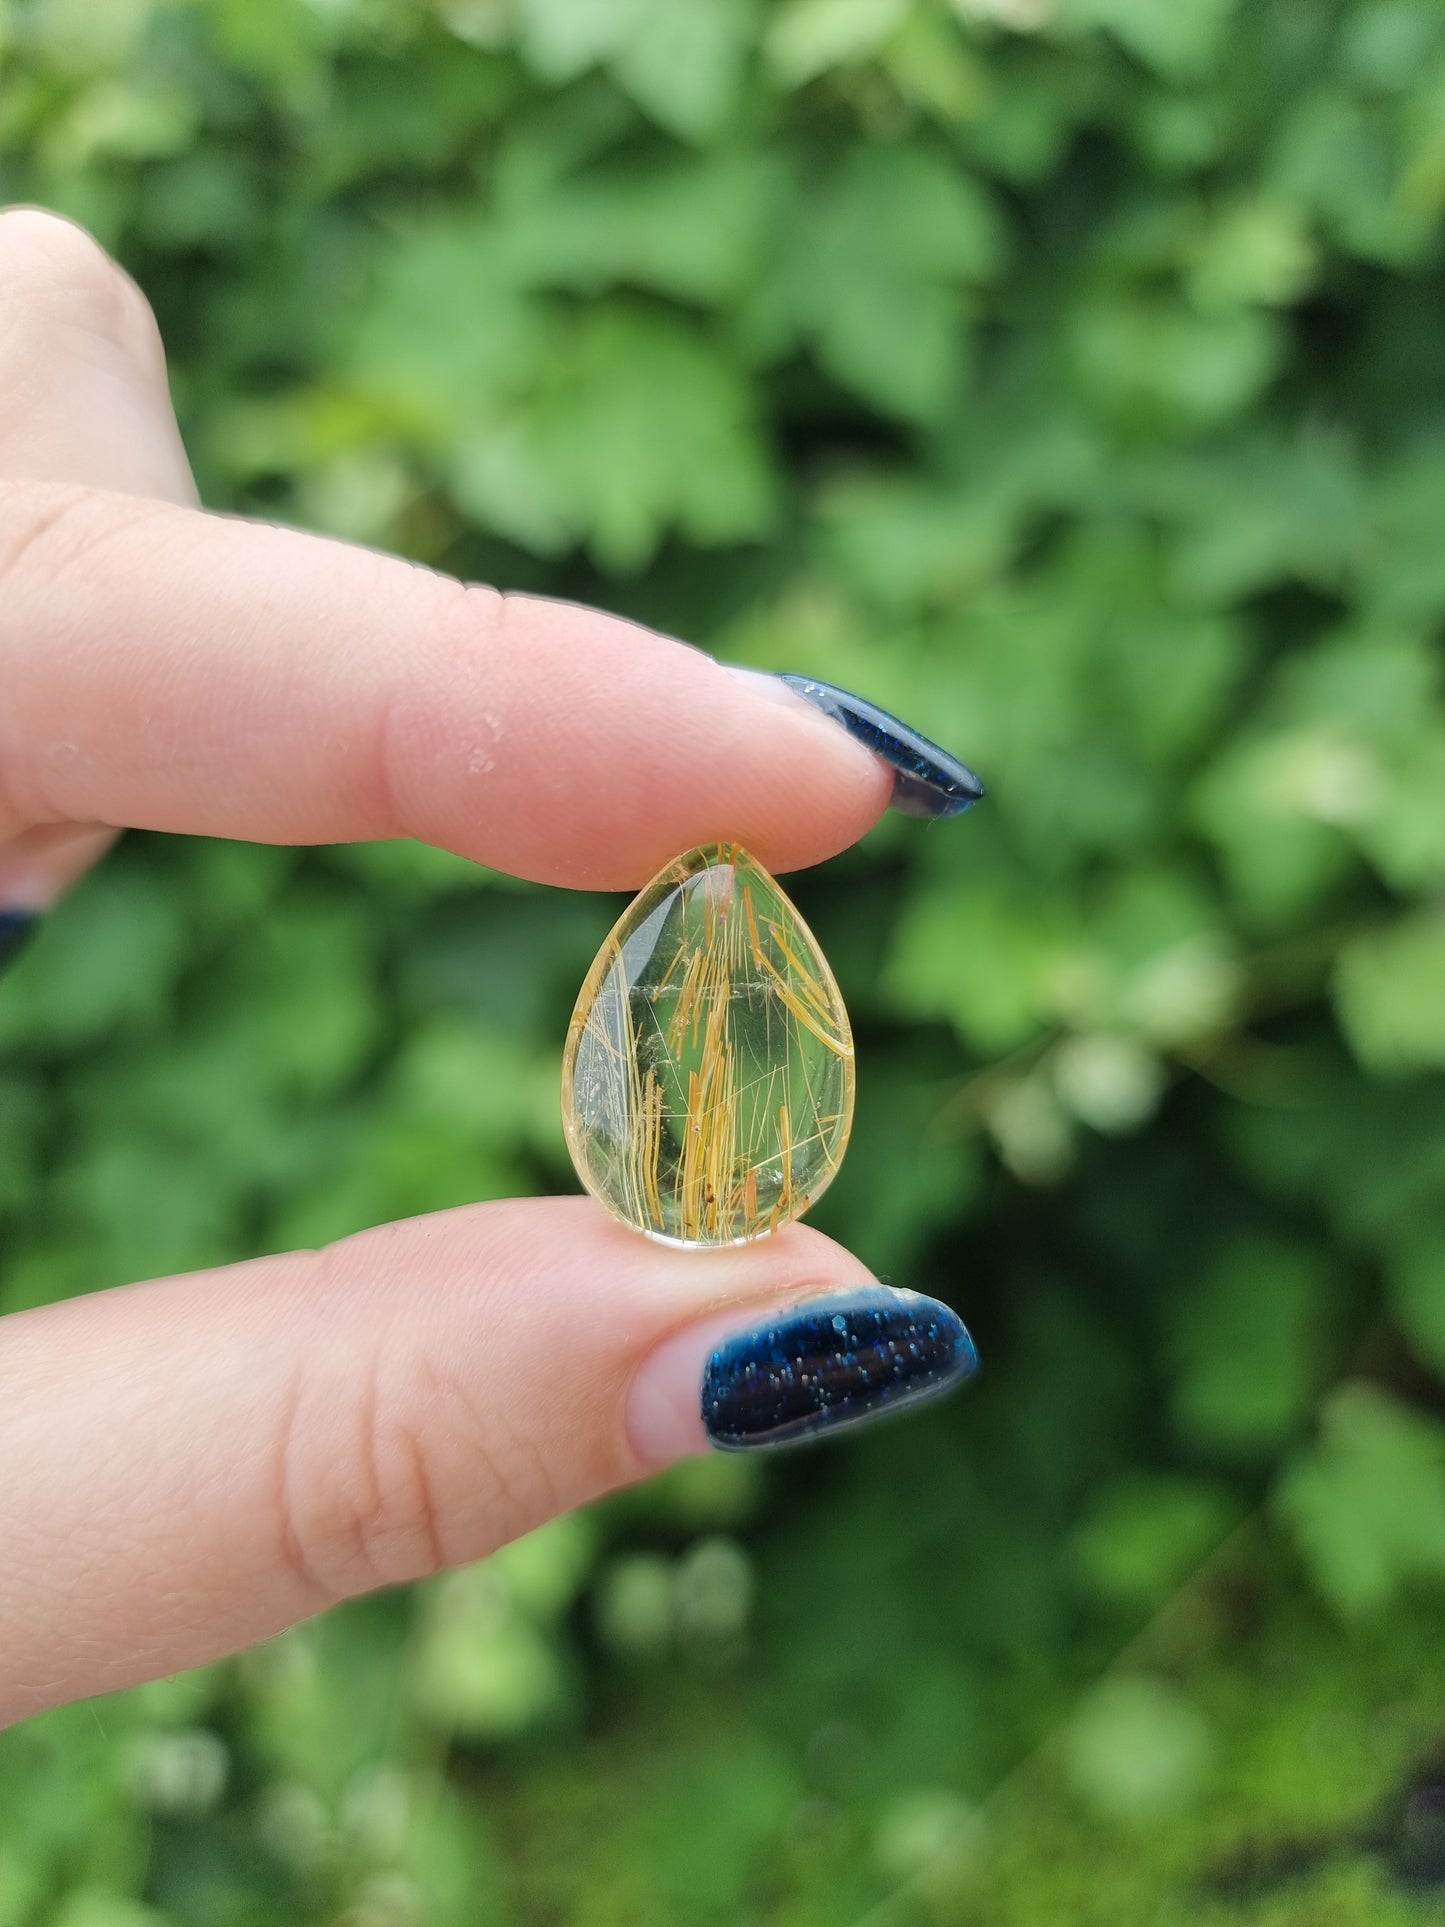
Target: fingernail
(817, 1365)
(927, 780)
(16, 926)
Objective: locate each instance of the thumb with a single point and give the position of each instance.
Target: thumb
(82, 369)
(196, 1463)
(85, 401)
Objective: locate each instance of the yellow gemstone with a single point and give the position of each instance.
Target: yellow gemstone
(707, 1084)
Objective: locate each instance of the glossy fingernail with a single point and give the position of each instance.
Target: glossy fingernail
(818, 1364)
(16, 926)
(927, 780)
(833, 1362)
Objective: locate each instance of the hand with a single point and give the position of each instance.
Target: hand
(192, 1464)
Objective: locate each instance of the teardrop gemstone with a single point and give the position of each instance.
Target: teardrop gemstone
(707, 1083)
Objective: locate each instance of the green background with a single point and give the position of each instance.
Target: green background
(1071, 379)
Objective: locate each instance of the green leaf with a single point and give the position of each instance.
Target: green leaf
(413, 115)
(1404, 833)
(1110, 1083)
(1277, 513)
(109, 1187)
(94, 1907)
(1403, 566)
(561, 39)
(926, 1839)
(1179, 41)
(1417, 1296)
(901, 346)
(1247, 1347)
(1161, 368)
(545, 1569)
(443, 336)
(704, 1827)
(903, 543)
(1137, 1749)
(1145, 1534)
(21, 1117)
(450, 1855)
(490, 1681)
(106, 961)
(483, 1084)
(127, 122)
(1153, 960)
(1256, 251)
(1271, 806)
(640, 426)
(1386, 45)
(684, 65)
(806, 38)
(1338, 156)
(931, 63)
(1366, 1503)
(978, 956)
(914, 213)
(876, 262)
(693, 231)
(1390, 994)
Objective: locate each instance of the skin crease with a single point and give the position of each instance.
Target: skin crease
(192, 1464)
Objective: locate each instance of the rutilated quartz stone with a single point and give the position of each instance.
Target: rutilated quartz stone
(707, 1082)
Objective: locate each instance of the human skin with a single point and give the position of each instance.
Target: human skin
(190, 1465)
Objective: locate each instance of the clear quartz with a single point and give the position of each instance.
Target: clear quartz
(707, 1082)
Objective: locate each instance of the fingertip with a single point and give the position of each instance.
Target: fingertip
(841, 789)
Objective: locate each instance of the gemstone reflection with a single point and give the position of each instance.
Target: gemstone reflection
(707, 1083)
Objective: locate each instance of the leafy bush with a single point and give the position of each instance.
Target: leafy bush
(1067, 377)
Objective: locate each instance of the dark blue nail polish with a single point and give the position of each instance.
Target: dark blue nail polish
(927, 781)
(15, 927)
(830, 1362)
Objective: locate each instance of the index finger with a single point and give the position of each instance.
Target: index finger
(167, 669)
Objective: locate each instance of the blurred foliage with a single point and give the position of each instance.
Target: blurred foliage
(1067, 376)
(1147, 1804)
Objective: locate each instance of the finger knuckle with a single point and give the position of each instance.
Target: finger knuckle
(32, 516)
(418, 722)
(54, 272)
(356, 1507)
(394, 1477)
(47, 528)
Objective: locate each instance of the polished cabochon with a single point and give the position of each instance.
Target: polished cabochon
(707, 1082)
